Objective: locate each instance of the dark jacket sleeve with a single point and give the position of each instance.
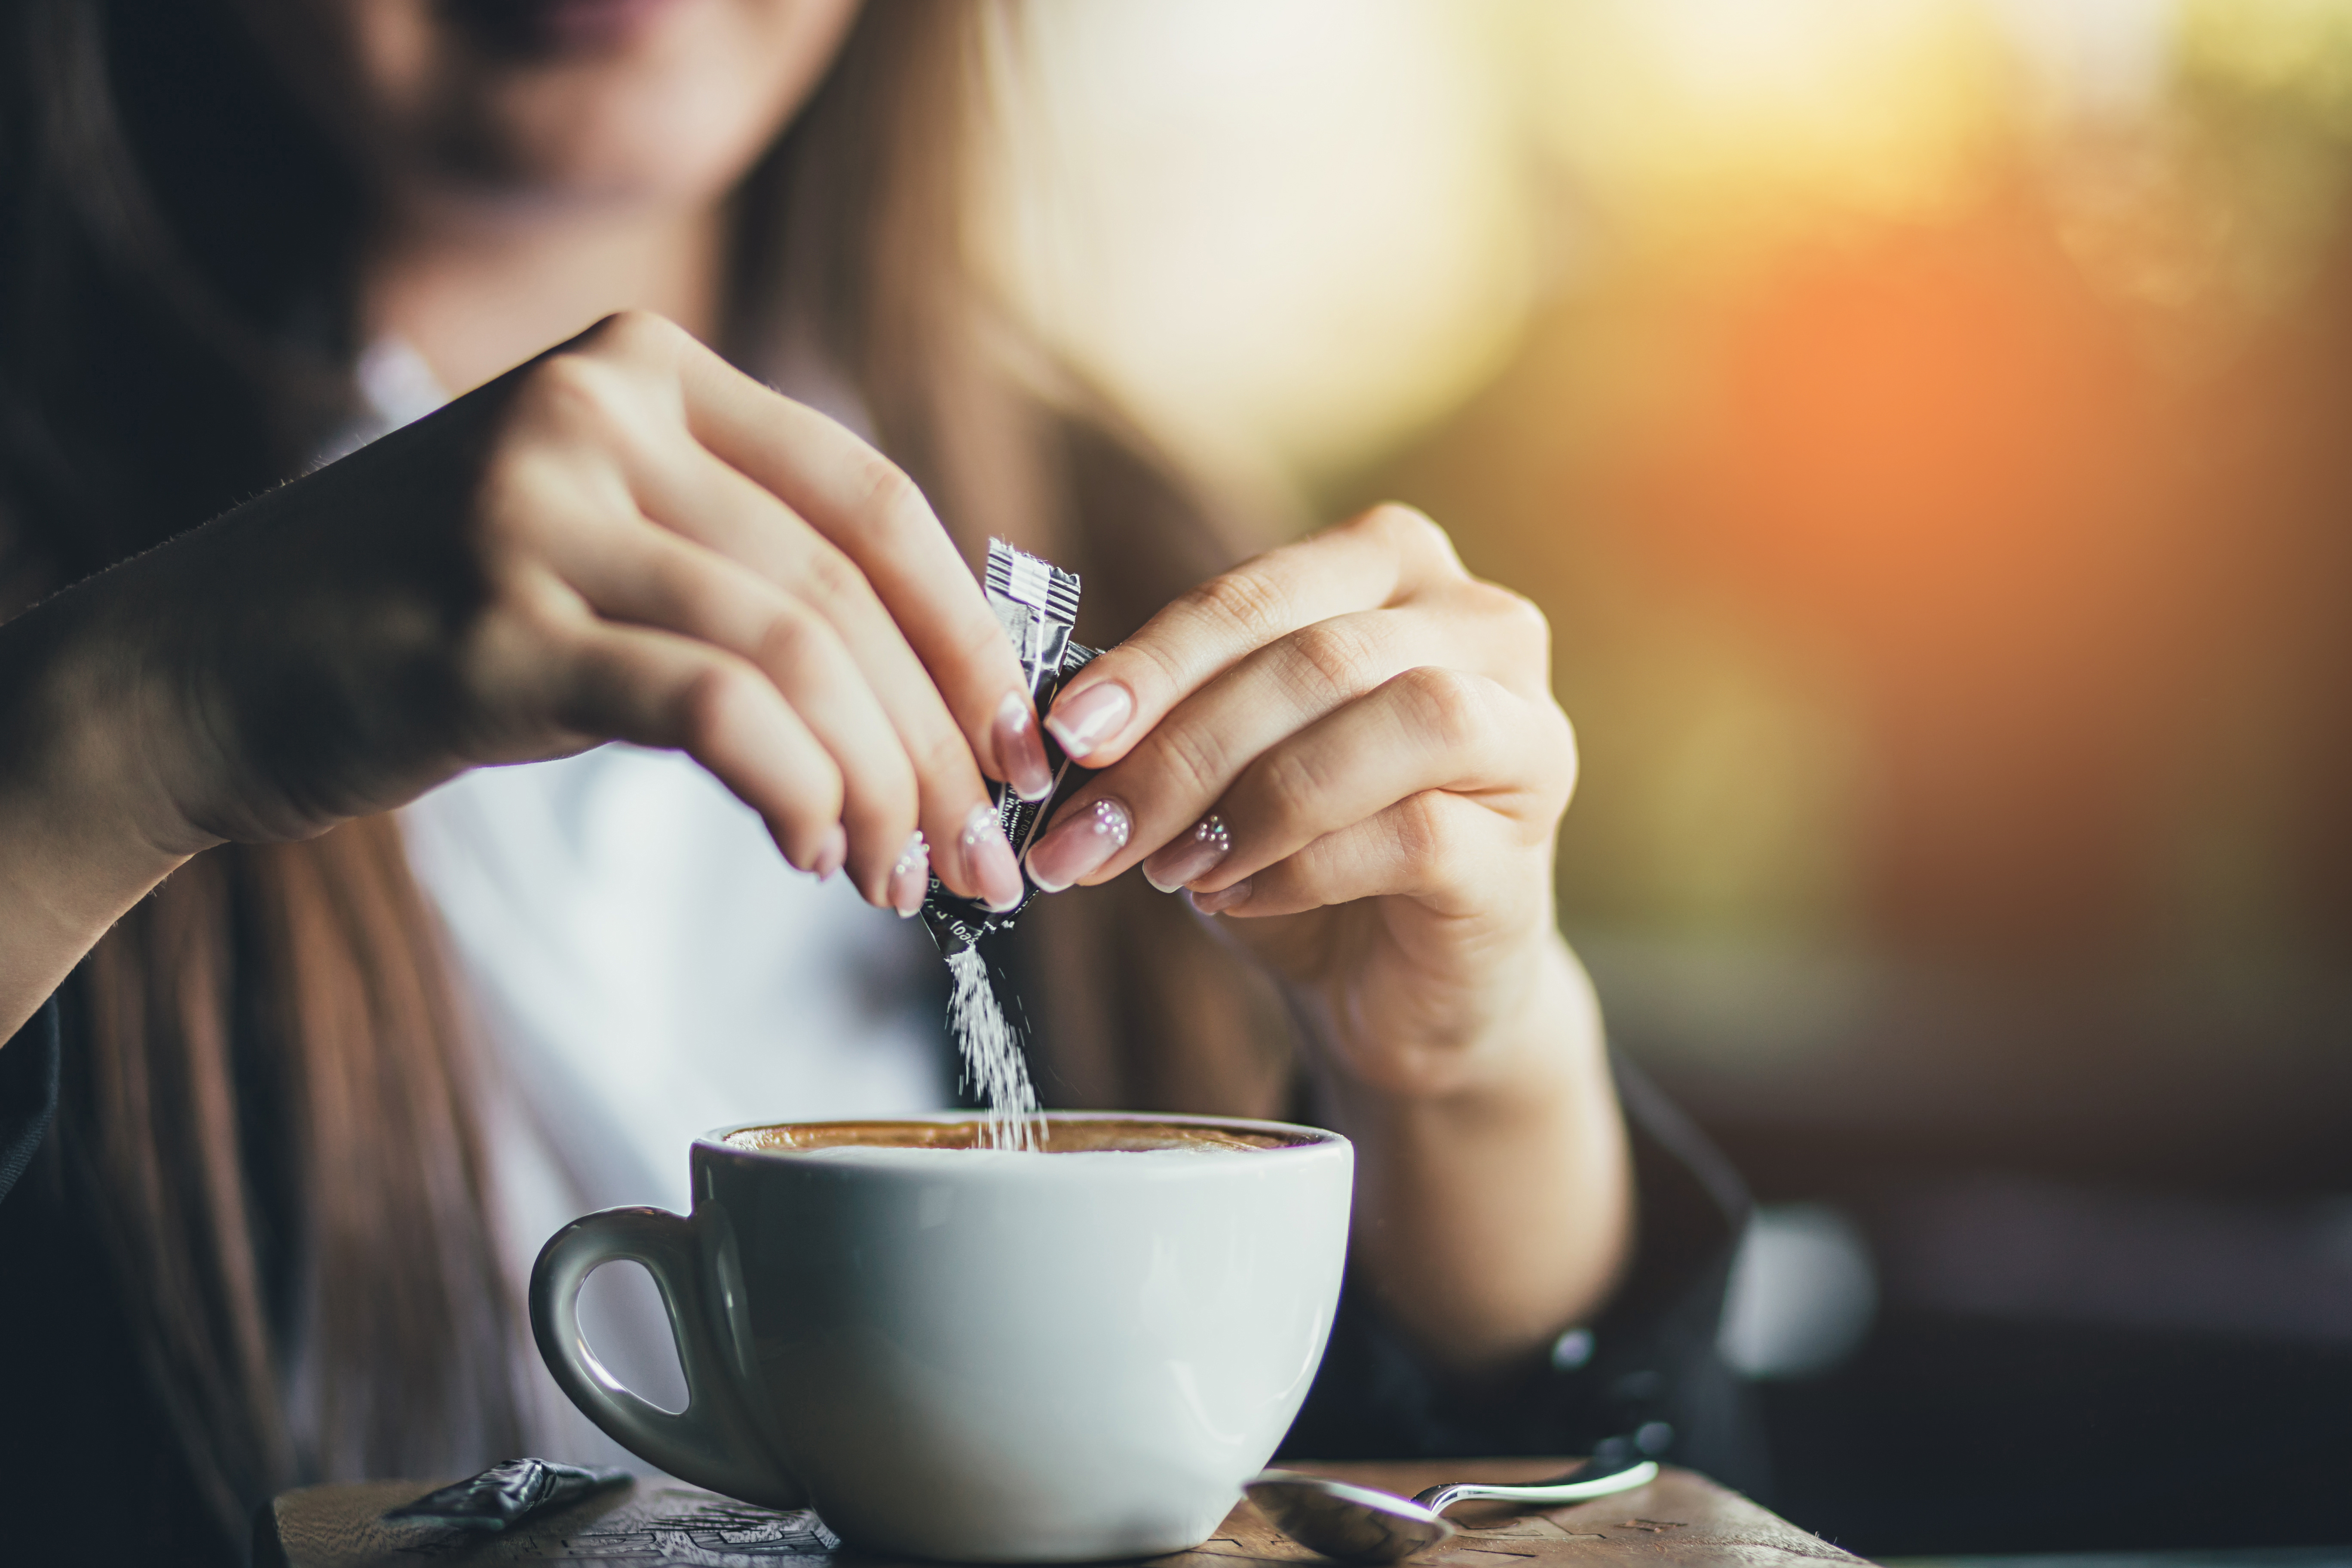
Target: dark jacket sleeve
(91, 1468)
(28, 1092)
(1647, 1364)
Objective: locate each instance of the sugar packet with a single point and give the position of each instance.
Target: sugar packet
(1037, 604)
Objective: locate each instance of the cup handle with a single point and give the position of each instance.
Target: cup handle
(710, 1443)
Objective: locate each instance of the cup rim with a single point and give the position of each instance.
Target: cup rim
(1305, 1138)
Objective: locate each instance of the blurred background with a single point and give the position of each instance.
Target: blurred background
(1928, 424)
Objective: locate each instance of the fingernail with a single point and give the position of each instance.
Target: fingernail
(1078, 842)
(1223, 899)
(1083, 722)
(1190, 857)
(831, 854)
(988, 860)
(1019, 752)
(910, 877)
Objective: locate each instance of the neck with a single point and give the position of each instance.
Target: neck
(476, 294)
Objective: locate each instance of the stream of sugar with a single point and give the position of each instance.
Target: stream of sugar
(993, 1067)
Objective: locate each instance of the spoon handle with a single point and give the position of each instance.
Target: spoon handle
(1582, 1485)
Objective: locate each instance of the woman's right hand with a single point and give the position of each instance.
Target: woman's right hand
(625, 538)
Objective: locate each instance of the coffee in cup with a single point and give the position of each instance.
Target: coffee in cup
(970, 1353)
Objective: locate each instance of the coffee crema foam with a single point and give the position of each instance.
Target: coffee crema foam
(1107, 1135)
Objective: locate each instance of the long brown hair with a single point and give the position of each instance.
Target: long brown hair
(267, 1108)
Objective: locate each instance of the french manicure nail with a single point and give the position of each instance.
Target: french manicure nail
(1190, 857)
(1088, 721)
(831, 854)
(988, 860)
(1019, 752)
(1077, 842)
(1223, 899)
(910, 877)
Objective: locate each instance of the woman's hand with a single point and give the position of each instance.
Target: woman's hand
(622, 539)
(1349, 750)
(1348, 747)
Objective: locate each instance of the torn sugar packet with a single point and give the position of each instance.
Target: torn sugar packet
(1038, 604)
(507, 1494)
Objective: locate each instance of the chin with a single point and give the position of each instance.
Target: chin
(635, 142)
(534, 99)
(658, 100)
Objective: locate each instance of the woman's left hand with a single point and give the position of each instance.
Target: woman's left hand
(1348, 747)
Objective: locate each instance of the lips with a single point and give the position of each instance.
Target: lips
(542, 28)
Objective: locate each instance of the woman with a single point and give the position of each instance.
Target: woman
(272, 1232)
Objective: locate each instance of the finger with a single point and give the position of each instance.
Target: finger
(868, 508)
(1372, 562)
(709, 502)
(718, 506)
(656, 577)
(1429, 729)
(657, 689)
(1445, 851)
(1174, 774)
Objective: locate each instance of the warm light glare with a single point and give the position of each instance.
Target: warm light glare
(1918, 416)
(1875, 97)
(1295, 231)
(1291, 232)
(2298, 51)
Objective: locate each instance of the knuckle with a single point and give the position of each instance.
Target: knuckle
(570, 392)
(1146, 663)
(637, 333)
(1309, 880)
(1290, 782)
(789, 636)
(713, 701)
(830, 576)
(520, 498)
(1419, 825)
(1191, 756)
(1331, 657)
(1249, 603)
(891, 499)
(1519, 619)
(541, 606)
(1412, 530)
(1450, 706)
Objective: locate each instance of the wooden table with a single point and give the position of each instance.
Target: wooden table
(1680, 1520)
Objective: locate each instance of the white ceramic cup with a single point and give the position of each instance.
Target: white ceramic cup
(973, 1356)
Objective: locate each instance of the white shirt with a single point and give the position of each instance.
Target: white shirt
(644, 966)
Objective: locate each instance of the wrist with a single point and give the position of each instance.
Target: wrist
(86, 829)
(1495, 1210)
(1533, 1028)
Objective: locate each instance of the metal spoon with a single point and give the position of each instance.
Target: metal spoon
(1363, 1524)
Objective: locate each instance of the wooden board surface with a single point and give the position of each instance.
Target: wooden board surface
(1680, 1520)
